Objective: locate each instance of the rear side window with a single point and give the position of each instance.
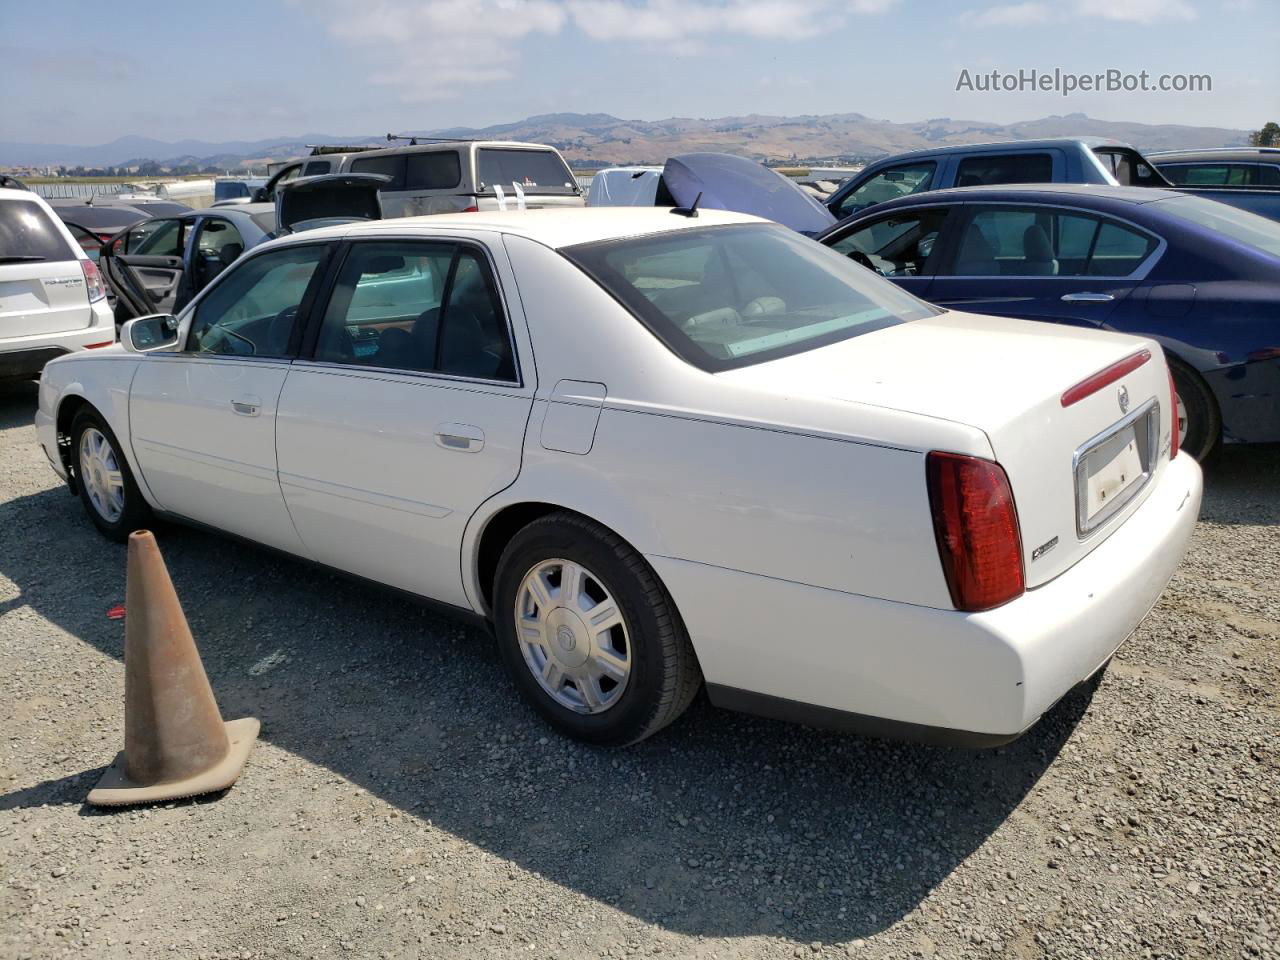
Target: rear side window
(27, 233)
(1210, 174)
(1005, 168)
(428, 307)
(537, 171)
(1042, 242)
(315, 168)
(438, 170)
(392, 167)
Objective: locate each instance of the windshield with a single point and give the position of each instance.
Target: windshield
(537, 171)
(726, 297)
(1240, 225)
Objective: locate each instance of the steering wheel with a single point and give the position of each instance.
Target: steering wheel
(860, 258)
(281, 326)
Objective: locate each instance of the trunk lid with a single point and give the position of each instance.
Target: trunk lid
(726, 182)
(42, 297)
(1074, 478)
(328, 199)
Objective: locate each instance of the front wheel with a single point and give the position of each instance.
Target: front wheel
(107, 489)
(1198, 423)
(589, 634)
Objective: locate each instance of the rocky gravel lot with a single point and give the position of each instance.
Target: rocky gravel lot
(402, 802)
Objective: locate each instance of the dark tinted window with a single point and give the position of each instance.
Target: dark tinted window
(1005, 168)
(537, 171)
(253, 311)
(392, 167)
(315, 167)
(439, 170)
(888, 185)
(156, 238)
(724, 297)
(1268, 175)
(427, 307)
(26, 231)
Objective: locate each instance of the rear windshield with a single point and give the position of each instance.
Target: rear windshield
(27, 233)
(537, 171)
(1240, 225)
(726, 297)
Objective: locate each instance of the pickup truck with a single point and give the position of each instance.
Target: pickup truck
(1074, 160)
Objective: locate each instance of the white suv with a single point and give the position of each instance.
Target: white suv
(52, 299)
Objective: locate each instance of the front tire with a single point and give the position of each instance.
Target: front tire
(590, 636)
(107, 489)
(1198, 423)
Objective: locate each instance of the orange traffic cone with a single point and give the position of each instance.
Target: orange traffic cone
(175, 743)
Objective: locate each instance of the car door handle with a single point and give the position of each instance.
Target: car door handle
(462, 437)
(1087, 298)
(247, 406)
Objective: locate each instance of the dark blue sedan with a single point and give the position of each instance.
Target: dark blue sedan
(1201, 277)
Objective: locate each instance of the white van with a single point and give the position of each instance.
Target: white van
(52, 298)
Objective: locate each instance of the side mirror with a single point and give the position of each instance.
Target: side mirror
(159, 331)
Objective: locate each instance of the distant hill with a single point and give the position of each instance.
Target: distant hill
(598, 138)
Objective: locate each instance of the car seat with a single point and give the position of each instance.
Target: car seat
(977, 257)
(1037, 253)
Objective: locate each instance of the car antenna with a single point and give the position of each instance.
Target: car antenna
(691, 210)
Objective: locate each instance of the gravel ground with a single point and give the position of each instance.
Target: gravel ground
(402, 802)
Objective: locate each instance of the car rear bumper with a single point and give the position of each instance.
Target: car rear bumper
(837, 659)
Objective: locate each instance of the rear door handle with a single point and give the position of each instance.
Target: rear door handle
(1087, 298)
(247, 406)
(462, 437)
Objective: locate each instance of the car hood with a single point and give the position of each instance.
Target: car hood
(726, 182)
(330, 198)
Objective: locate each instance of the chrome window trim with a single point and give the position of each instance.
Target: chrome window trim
(383, 373)
(1087, 528)
(1139, 273)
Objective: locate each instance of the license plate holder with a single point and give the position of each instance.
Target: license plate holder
(1114, 466)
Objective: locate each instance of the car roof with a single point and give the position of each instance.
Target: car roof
(1002, 146)
(1244, 154)
(13, 193)
(1027, 191)
(452, 145)
(553, 228)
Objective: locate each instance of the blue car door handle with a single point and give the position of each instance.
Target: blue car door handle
(1087, 298)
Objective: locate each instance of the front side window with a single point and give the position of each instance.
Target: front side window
(253, 311)
(392, 166)
(425, 307)
(437, 170)
(1005, 168)
(725, 297)
(155, 238)
(536, 171)
(1043, 242)
(888, 185)
(900, 245)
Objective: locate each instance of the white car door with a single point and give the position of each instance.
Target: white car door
(203, 420)
(409, 412)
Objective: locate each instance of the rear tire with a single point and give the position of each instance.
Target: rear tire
(104, 481)
(1203, 430)
(609, 687)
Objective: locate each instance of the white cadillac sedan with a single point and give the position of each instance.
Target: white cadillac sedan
(652, 449)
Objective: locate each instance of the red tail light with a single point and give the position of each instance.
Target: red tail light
(93, 280)
(471, 209)
(1173, 417)
(976, 523)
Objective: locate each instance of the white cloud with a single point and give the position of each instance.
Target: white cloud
(1126, 11)
(432, 49)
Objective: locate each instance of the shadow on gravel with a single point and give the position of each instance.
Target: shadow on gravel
(1242, 485)
(723, 825)
(17, 403)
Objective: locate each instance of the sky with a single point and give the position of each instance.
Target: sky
(88, 72)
